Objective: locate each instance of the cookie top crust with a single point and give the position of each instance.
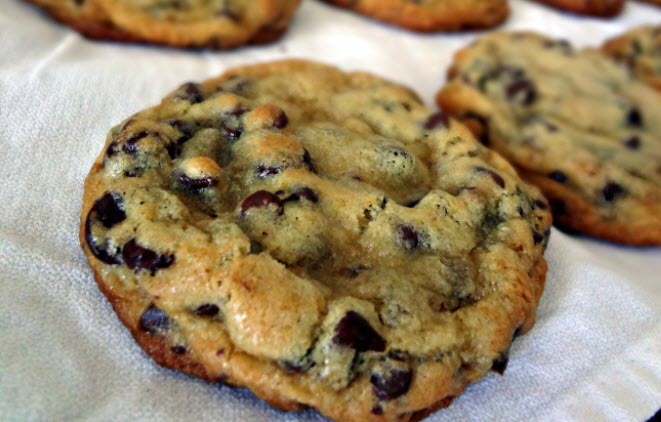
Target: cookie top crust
(640, 50)
(573, 122)
(320, 237)
(183, 23)
(598, 8)
(432, 15)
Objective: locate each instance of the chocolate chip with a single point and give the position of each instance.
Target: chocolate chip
(634, 118)
(137, 258)
(632, 142)
(308, 161)
(413, 203)
(173, 149)
(408, 236)
(281, 120)
(521, 91)
(195, 185)
(255, 247)
(265, 171)
(232, 133)
(497, 178)
(190, 92)
(537, 237)
(261, 198)
(392, 384)
(207, 310)
(353, 272)
(108, 210)
(612, 190)
(178, 349)
(377, 410)
(186, 128)
(538, 203)
(296, 366)
(436, 120)
(354, 332)
(305, 193)
(558, 176)
(228, 12)
(153, 320)
(500, 363)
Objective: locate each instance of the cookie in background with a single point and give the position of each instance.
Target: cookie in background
(574, 123)
(432, 15)
(597, 8)
(218, 24)
(640, 50)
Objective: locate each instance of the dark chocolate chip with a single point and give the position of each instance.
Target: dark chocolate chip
(178, 349)
(612, 190)
(354, 332)
(154, 320)
(632, 142)
(174, 150)
(296, 366)
(190, 92)
(108, 210)
(413, 203)
(538, 203)
(558, 176)
(537, 237)
(265, 171)
(634, 118)
(500, 363)
(197, 184)
(408, 236)
(521, 91)
(377, 410)
(392, 384)
(207, 310)
(261, 198)
(232, 133)
(255, 247)
(353, 272)
(307, 159)
(186, 128)
(436, 120)
(137, 257)
(497, 178)
(281, 120)
(308, 194)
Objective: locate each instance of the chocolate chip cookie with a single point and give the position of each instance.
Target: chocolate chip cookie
(573, 123)
(319, 237)
(432, 15)
(640, 50)
(600, 8)
(181, 23)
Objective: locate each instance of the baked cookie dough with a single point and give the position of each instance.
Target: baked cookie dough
(319, 237)
(216, 24)
(600, 8)
(574, 123)
(432, 15)
(640, 50)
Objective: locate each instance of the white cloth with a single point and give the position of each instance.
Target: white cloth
(595, 353)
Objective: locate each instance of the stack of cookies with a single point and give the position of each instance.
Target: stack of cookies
(327, 240)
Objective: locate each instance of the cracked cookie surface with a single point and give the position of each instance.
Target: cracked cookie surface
(573, 122)
(181, 23)
(319, 237)
(432, 15)
(640, 50)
